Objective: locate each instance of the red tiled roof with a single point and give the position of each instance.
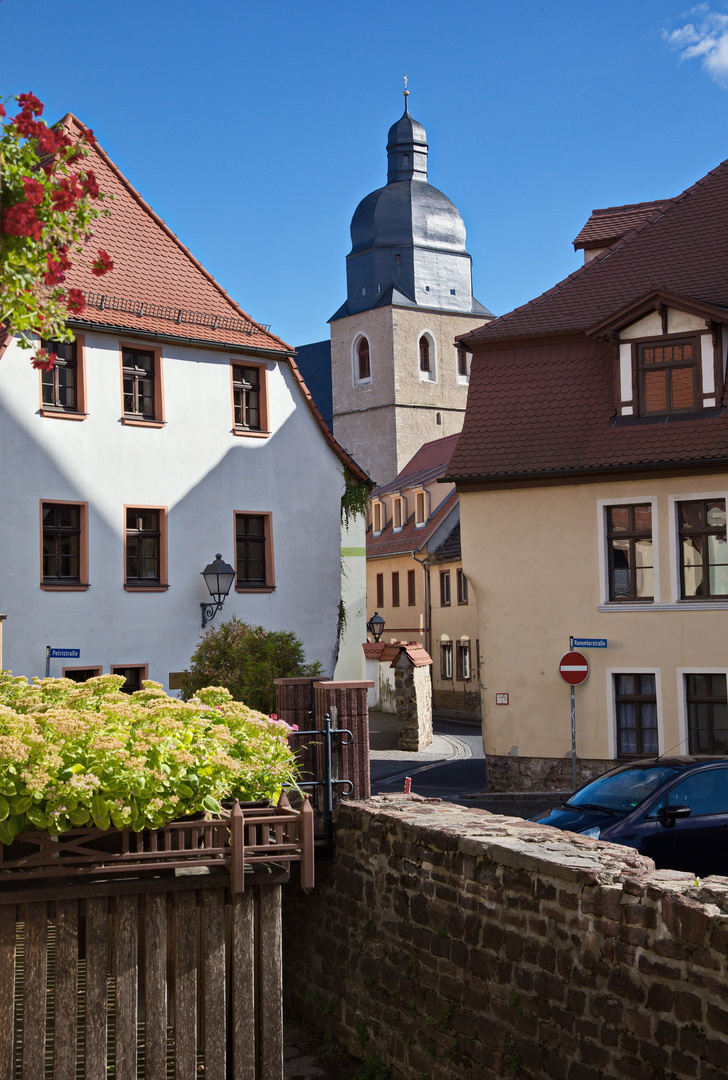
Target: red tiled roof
(612, 222)
(681, 251)
(158, 287)
(373, 649)
(414, 650)
(549, 408)
(411, 537)
(153, 270)
(427, 464)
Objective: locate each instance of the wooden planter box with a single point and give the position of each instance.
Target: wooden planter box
(247, 837)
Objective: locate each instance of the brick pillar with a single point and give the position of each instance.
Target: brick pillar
(294, 698)
(352, 712)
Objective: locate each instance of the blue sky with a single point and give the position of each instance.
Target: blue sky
(254, 129)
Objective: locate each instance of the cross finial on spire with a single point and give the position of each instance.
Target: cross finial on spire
(406, 93)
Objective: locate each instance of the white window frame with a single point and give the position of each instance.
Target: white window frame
(674, 547)
(398, 501)
(446, 676)
(425, 500)
(605, 604)
(633, 669)
(355, 361)
(431, 375)
(463, 380)
(682, 703)
(378, 505)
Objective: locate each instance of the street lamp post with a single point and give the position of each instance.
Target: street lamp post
(219, 577)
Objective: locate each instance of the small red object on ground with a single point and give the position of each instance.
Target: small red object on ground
(407, 785)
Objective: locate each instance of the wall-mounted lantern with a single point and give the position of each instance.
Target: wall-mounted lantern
(219, 577)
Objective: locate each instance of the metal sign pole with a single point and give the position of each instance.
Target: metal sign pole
(573, 726)
(48, 660)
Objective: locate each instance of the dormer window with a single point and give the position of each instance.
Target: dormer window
(668, 376)
(420, 509)
(377, 518)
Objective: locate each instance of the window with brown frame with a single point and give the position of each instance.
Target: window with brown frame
(62, 388)
(703, 549)
(707, 703)
(144, 547)
(254, 552)
(462, 587)
(462, 673)
(444, 588)
(629, 545)
(363, 362)
(446, 660)
(380, 590)
(395, 588)
(424, 354)
(636, 707)
(81, 674)
(64, 541)
(134, 676)
(247, 397)
(397, 514)
(411, 588)
(668, 376)
(420, 508)
(377, 517)
(140, 379)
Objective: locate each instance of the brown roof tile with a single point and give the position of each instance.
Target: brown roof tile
(411, 537)
(612, 222)
(681, 251)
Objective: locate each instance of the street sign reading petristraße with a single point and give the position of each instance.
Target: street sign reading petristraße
(63, 654)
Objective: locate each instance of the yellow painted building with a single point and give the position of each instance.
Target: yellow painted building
(593, 480)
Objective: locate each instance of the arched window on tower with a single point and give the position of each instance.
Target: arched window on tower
(424, 354)
(364, 367)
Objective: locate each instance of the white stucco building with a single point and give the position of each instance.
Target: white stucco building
(175, 428)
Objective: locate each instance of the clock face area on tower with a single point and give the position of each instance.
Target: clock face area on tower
(397, 378)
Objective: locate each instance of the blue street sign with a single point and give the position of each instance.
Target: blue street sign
(589, 643)
(64, 654)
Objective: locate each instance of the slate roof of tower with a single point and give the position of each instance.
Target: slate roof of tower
(158, 287)
(542, 391)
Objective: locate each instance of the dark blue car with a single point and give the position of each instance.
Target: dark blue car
(672, 809)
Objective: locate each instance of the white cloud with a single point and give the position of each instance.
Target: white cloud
(707, 39)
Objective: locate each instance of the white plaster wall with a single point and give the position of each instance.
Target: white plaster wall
(350, 662)
(202, 473)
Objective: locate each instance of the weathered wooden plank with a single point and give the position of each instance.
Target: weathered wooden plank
(126, 951)
(34, 991)
(7, 990)
(155, 989)
(242, 987)
(66, 995)
(185, 978)
(97, 956)
(214, 1001)
(270, 983)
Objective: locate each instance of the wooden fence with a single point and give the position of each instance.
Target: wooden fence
(164, 970)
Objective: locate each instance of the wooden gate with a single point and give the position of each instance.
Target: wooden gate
(160, 964)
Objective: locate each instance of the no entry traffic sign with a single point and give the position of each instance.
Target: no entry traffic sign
(573, 668)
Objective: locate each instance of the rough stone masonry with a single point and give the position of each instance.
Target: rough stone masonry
(454, 944)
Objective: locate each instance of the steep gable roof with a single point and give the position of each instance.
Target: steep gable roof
(426, 465)
(680, 250)
(156, 285)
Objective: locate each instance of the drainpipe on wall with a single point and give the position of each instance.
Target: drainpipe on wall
(2, 619)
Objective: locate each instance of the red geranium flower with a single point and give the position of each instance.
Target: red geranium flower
(34, 191)
(29, 103)
(48, 141)
(103, 264)
(76, 302)
(28, 127)
(45, 360)
(90, 184)
(88, 135)
(21, 220)
(66, 194)
(2, 110)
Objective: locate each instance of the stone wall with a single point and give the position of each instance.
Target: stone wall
(515, 773)
(453, 944)
(413, 694)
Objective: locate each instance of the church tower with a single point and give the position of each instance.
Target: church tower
(398, 380)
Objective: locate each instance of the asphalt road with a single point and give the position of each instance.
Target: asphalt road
(461, 779)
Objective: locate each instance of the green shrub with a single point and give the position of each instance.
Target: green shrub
(86, 755)
(245, 660)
